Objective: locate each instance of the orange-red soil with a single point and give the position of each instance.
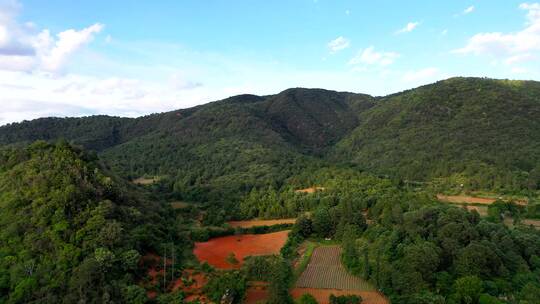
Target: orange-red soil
(254, 223)
(215, 251)
(322, 295)
(257, 292)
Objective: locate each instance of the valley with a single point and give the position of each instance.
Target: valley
(346, 197)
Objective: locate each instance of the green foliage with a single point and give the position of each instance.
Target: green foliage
(280, 281)
(69, 230)
(351, 299)
(467, 289)
(259, 268)
(306, 299)
(229, 283)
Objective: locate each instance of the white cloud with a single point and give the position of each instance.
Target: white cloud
(421, 75)
(53, 53)
(369, 56)
(23, 48)
(510, 47)
(408, 28)
(338, 44)
(347, 12)
(519, 70)
(444, 32)
(469, 10)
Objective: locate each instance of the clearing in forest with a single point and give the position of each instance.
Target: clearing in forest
(179, 205)
(326, 275)
(463, 199)
(310, 190)
(146, 181)
(255, 223)
(217, 251)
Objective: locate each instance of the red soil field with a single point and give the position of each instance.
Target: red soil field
(310, 190)
(322, 295)
(215, 251)
(198, 279)
(253, 223)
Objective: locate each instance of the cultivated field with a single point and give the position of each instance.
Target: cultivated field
(254, 223)
(326, 271)
(325, 275)
(216, 251)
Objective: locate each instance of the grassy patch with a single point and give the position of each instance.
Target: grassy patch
(310, 246)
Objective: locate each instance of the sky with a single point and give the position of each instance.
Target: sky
(133, 58)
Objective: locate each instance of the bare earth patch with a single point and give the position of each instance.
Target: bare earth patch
(254, 223)
(463, 199)
(179, 205)
(310, 190)
(145, 181)
(216, 250)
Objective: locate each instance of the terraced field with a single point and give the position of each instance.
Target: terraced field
(326, 271)
(325, 275)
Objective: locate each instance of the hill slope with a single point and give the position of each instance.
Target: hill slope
(481, 131)
(69, 232)
(488, 130)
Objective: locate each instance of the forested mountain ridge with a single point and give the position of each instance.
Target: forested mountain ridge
(483, 131)
(488, 130)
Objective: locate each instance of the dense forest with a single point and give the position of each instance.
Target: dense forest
(69, 230)
(483, 132)
(75, 225)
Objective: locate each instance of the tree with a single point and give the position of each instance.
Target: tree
(350, 299)
(467, 289)
(305, 226)
(221, 283)
(350, 252)
(280, 283)
(135, 294)
(231, 259)
(323, 224)
(307, 299)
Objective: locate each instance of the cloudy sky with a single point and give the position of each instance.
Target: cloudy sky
(130, 58)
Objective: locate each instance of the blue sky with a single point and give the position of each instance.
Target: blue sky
(130, 58)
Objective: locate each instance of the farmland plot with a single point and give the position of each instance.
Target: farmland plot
(216, 251)
(326, 271)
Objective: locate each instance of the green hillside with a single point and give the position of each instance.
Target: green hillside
(483, 133)
(487, 130)
(69, 231)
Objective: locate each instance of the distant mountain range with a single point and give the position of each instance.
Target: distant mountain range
(484, 131)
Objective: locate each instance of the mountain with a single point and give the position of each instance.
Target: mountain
(71, 232)
(483, 131)
(488, 130)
